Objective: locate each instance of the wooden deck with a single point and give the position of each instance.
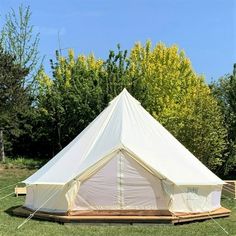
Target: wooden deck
(126, 219)
(20, 191)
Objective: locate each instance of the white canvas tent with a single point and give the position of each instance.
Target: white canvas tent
(124, 160)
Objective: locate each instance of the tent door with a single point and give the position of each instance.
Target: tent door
(122, 184)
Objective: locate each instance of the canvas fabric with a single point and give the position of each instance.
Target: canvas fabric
(124, 137)
(123, 184)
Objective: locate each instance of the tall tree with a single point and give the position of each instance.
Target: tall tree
(163, 79)
(70, 100)
(19, 39)
(115, 76)
(225, 91)
(13, 97)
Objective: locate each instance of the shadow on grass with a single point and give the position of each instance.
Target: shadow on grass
(10, 212)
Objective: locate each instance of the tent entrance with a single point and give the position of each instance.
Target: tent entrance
(121, 186)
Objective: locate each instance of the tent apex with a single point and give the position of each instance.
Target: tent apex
(124, 91)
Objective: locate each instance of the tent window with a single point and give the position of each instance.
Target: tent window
(192, 193)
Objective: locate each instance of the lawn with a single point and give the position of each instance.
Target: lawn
(8, 223)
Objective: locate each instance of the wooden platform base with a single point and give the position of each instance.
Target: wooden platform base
(126, 219)
(229, 189)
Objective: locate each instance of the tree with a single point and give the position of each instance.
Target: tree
(225, 91)
(163, 80)
(2, 152)
(18, 38)
(115, 76)
(70, 100)
(13, 97)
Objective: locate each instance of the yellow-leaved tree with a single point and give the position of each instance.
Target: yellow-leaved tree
(163, 79)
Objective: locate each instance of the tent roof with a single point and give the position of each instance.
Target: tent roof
(125, 124)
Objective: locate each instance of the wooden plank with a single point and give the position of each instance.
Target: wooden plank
(121, 213)
(207, 217)
(229, 189)
(20, 191)
(221, 210)
(174, 219)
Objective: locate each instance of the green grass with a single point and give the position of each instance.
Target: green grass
(22, 163)
(8, 223)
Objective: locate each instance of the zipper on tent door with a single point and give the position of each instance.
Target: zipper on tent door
(120, 181)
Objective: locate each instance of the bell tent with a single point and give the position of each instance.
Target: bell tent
(124, 161)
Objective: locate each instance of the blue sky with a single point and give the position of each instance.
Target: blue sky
(204, 29)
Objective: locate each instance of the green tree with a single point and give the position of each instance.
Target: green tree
(13, 96)
(161, 78)
(78, 91)
(115, 76)
(225, 91)
(70, 100)
(19, 39)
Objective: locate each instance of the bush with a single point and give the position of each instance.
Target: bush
(22, 163)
